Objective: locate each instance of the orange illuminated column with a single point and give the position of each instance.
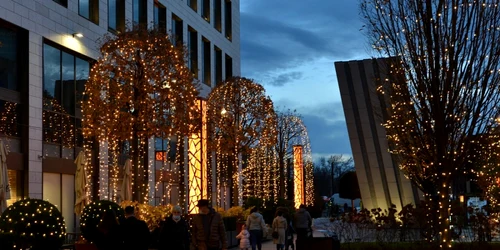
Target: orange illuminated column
(298, 176)
(197, 166)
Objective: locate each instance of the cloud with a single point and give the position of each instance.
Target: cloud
(282, 34)
(285, 78)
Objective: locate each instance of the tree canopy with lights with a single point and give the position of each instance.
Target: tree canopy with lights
(139, 88)
(240, 117)
(443, 88)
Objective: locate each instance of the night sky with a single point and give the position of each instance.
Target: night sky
(290, 47)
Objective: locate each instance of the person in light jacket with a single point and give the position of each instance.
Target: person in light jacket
(256, 225)
(303, 222)
(244, 237)
(280, 226)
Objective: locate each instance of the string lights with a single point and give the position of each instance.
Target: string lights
(139, 89)
(241, 117)
(441, 90)
(33, 223)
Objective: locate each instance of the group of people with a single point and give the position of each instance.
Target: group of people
(207, 230)
(283, 228)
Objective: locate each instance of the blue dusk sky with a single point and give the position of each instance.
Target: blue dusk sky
(290, 46)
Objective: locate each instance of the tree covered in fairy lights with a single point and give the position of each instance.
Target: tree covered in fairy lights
(138, 89)
(241, 117)
(443, 88)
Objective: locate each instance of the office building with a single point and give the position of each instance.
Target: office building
(46, 49)
(381, 182)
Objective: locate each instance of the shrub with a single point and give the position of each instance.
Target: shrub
(32, 223)
(152, 215)
(91, 217)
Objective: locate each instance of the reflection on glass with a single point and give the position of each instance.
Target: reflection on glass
(9, 113)
(112, 14)
(51, 127)
(82, 74)
(83, 8)
(51, 75)
(135, 11)
(67, 85)
(8, 59)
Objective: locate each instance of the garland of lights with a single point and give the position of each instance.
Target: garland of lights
(241, 117)
(33, 223)
(139, 89)
(441, 91)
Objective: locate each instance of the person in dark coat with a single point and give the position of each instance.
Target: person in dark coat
(135, 232)
(303, 222)
(208, 228)
(174, 232)
(109, 234)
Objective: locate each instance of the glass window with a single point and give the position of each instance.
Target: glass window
(64, 78)
(207, 70)
(205, 12)
(177, 30)
(193, 51)
(193, 4)
(228, 19)
(62, 2)
(51, 76)
(139, 12)
(229, 67)
(9, 118)
(218, 15)
(116, 15)
(160, 17)
(67, 84)
(89, 9)
(218, 65)
(8, 59)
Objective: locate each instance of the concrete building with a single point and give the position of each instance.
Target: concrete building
(46, 49)
(380, 180)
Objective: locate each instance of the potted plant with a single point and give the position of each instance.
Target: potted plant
(89, 222)
(32, 224)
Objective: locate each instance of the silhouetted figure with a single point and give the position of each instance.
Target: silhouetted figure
(135, 232)
(174, 233)
(109, 233)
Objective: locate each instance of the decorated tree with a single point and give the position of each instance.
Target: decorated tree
(241, 117)
(138, 89)
(442, 89)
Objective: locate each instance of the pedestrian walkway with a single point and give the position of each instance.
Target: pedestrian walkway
(268, 245)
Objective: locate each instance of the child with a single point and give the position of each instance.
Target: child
(244, 237)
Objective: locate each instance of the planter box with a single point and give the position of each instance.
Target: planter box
(85, 246)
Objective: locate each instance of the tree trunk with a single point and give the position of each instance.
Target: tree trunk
(281, 178)
(134, 147)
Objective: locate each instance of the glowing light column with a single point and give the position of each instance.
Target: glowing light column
(298, 176)
(197, 154)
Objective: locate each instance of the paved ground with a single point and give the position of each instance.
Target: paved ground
(268, 245)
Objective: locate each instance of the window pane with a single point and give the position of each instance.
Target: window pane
(68, 83)
(62, 2)
(51, 127)
(51, 76)
(9, 118)
(135, 11)
(82, 74)
(68, 131)
(83, 8)
(8, 59)
(112, 14)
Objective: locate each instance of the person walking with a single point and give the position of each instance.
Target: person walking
(303, 222)
(135, 232)
(208, 232)
(174, 232)
(109, 233)
(244, 237)
(256, 225)
(279, 226)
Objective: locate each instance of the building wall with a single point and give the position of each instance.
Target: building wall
(49, 22)
(380, 180)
